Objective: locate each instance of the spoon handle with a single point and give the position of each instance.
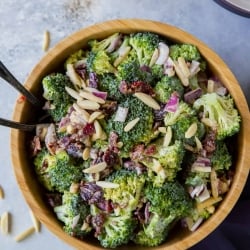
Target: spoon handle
(17, 125)
(8, 77)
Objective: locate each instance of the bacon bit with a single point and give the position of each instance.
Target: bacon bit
(137, 152)
(21, 99)
(137, 86)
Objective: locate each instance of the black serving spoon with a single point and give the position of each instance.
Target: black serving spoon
(8, 77)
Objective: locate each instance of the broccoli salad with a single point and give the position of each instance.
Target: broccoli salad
(137, 140)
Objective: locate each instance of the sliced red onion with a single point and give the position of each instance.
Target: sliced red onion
(194, 68)
(222, 91)
(204, 160)
(100, 94)
(75, 221)
(163, 54)
(200, 167)
(172, 103)
(93, 80)
(204, 195)
(121, 114)
(197, 190)
(115, 43)
(192, 95)
(196, 224)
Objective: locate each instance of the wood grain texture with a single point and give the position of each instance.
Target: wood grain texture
(55, 57)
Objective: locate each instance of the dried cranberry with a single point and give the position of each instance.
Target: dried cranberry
(89, 129)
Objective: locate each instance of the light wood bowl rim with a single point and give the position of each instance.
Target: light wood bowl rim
(126, 26)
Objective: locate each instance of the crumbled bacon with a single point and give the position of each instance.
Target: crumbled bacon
(91, 193)
(35, 145)
(137, 86)
(135, 166)
(89, 129)
(209, 143)
(97, 222)
(137, 152)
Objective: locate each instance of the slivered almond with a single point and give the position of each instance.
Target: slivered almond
(148, 100)
(74, 188)
(154, 57)
(183, 78)
(183, 66)
(208, 122)
(98, 129)
(5, 223)
(156, 166)
(131, 124)
(198, 143)
(106, 184)
(214, 183)
(85, 115)
(167, 137)
(207, 203)
(210, 86)
(35, 221)
(1, 193)
(191, 130)
(119, 144)
(120, 58)
(211, 209)
(162, 130)
(46, 40)
(95, 115)
(91, 97)
(95, 168)
(73, 93)
(73, 76)
(89, 105)
(86, 153)
(25, 234)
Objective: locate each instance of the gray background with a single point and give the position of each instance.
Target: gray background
(22, 24)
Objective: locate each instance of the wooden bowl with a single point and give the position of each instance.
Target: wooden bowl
(24, 112)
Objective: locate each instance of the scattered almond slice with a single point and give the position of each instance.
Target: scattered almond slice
(183, 78)
(210, 86)
(86, 153)
(148, 100)
(1, 193)
(36, 222)
(89, 105)
(5, 223)
(156, 166)
(208, 122)
(95, 168)
(120, 58)
(91, 97)
(85, 115)
(167, 137)
(214, 183)
(162, 130)
(95, 115)
(73, 93)
(131, 124)
(25, 234)
(207, 203)
(98, 130)
(183, 66)
(106, 184)
(74, 188)
(163, 53)
(74, 77)
(154, 57)
(191, 131)
(198, 143)
(46, 40)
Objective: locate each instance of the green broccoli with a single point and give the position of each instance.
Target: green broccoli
(54, 91)
(73, 213)
(110, 84)
(75, 57)
(165, 163)
(99, 62)
(221, 112)
(117, 230)
(141, 132)
(127, 195)
(221, 159)
(183, 110)
(183, 124)
(57, 172)
(103, 44)
(164, 212)
(166, 86)
(188, 51)
(157, 72)
(144, 43)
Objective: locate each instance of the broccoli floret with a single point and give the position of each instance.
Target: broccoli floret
(128, 194)
(57, 172)
(54, 91)
(104, 44)
(73, 213)
(157, 72)
(175, 205)
(183, 124)
(221, 112)
(117, 230)
(188, 51)
(141, 132)
(75, 57)
(99, 62)
(221, 159)
(110, 84)
(144, 43)
(183, 110)
(165, 163)
(166, 86)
